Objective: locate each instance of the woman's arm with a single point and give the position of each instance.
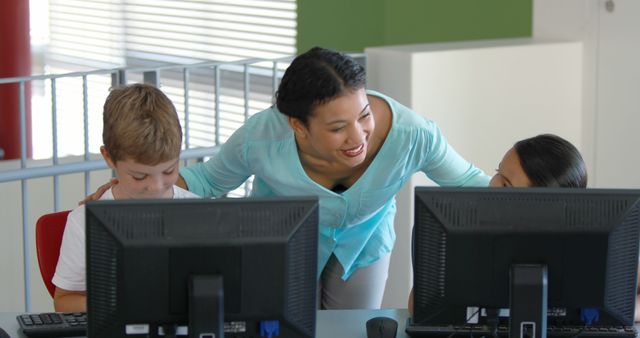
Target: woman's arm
(99, 192)
(223, 172)
(444, 165)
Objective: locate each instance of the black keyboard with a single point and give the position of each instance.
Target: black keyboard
(503, 331)
(53, 324)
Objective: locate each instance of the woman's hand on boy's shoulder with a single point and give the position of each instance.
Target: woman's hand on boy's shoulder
(99, 192)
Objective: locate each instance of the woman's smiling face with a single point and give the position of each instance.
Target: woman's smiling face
(339, 130)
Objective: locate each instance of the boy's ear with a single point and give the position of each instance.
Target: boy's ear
(107, 157)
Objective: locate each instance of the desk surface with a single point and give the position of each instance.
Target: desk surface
(330, 323)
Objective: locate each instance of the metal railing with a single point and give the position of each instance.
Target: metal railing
(118, 77)
(271, 70)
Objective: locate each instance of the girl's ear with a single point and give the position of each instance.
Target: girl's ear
(107, 157)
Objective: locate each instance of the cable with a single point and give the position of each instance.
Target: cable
(493, 321)
(579, 332)
(169, 331)
(465, 323)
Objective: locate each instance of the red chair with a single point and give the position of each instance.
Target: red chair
(49, 230)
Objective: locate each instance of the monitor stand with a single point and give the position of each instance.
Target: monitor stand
(206, 306)
(528, 301)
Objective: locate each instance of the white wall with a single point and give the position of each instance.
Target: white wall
(485, 95)
(617, 111)
(575, 20)
(611, 113)
(40, 201)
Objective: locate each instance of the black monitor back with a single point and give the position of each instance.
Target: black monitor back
(140, 255)
(466, 240)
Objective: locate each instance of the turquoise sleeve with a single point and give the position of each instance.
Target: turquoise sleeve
(445, 166)
(223, 172)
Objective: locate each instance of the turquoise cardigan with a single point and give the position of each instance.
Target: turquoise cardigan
(357, 224)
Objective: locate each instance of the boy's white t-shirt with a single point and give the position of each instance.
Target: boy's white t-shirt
(70, 271)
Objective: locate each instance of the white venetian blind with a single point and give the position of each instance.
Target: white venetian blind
(106, 32)
(95, 34)
(85, 34)
(223, 30)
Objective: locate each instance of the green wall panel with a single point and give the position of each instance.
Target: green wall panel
(352, 25)
(347, 25)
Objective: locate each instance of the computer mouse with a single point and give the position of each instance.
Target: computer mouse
(381, 327)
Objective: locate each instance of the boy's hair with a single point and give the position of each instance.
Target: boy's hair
(141, 123)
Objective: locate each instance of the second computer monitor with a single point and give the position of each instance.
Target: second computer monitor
(567, 256)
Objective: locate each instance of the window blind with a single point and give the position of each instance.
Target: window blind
(107, 33)
(94, 34)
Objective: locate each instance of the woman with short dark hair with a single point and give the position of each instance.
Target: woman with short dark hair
(330, 137)
(327, 136)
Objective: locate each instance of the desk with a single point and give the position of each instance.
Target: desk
(351, 323)
(330, 323)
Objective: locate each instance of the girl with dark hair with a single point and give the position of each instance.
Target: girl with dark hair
(541, 161)
(546, 161)
(354, 149)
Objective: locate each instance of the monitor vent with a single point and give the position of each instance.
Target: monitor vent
(148, 224)
(431, 242)
(101, 275)
(594, 212)
(261, 222)
(457, 212)
(622, 267)
(562, 212)
(302, 281)
(249, 221)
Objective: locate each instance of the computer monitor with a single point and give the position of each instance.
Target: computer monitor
(529, 260)
(247, 267)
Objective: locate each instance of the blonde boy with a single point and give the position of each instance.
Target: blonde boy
(142, 140)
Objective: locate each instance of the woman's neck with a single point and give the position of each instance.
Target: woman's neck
(328, 173)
